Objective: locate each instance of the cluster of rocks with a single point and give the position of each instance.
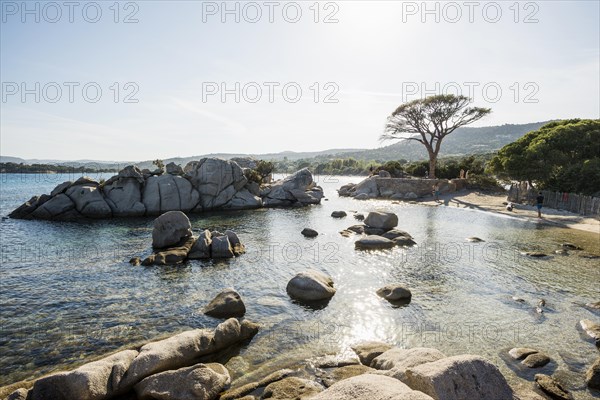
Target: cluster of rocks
(379, 232)
(207, 184)
(382, 372)
(384, 186)
(168, 369)
(173, 242)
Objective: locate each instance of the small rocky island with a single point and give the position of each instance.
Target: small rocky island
(204, 185)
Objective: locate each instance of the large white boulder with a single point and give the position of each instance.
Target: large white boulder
(216, 180)
(124, 197)
(169, 193)
(381, 220)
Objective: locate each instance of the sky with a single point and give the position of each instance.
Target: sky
(153, 79)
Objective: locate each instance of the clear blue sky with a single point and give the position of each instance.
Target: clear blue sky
(375, 56)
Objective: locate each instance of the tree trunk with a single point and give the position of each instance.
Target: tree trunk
(432, 163)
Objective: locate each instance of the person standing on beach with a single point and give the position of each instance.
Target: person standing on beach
(539, 200)
(436, 192)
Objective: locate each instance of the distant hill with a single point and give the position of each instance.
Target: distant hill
(461, 142)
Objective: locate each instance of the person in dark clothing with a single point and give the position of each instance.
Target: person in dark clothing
(539, 200)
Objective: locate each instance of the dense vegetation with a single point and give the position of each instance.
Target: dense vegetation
(562, 156)
(14, 168)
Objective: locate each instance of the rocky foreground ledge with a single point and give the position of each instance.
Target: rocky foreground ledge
(207, 184)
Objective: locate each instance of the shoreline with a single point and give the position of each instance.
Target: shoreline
(492, 203)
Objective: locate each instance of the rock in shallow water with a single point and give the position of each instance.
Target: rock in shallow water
(518, 353)
(170, 228)
(367, 351)
(592, 376)
(291, 388)
(394, 292)
(310, 286)
(338, 214)
(551, 387)
(396, 361)
(591, 328)
(309, 232)
(382, 220)
(374, 242)
(226, 304)
(536, 360)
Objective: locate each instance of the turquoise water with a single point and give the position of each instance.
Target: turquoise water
(68, 293)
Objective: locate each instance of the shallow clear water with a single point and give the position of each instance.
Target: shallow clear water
(68, 293)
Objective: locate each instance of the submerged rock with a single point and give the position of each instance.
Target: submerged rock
(519, 353)
(310, 286)
(474, 239)
(592, 376)
(396, 361)
(536, 360)
(551, 387)
(292, 388)
(394, 293)
(345, 372)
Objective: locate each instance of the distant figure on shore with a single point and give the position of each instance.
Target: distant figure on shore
(436, 192)
(539, 203)
(467, 174)
(509, 206)
(427, 174)
(462, 174)
(371, 170)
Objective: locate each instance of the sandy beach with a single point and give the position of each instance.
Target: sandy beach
(493, 203)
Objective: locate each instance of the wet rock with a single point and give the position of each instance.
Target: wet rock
(551, 387)
(359, 229)
(535, 254)
(519, 353)
(592, 376)
(200, 382)
(170, 228)
(135, 261)
(226, 304)
(395, 234)
(371, 387)
(570, 246)
(382, 220)
(335, 361)
(591, 328)
(518, 299)
(96, 380)
(292, 388)
(374, 242)
(221, 248)
(595, 306)
(474, 239)
(359, 217)
(373, 231)
(338, 214)
(394, 292)
(310, 286)
(237, 393)
(236, 244)
(367, 351)
(346, 233)
(309, 232)
(536, 360)
(459, 377)
(172, 255)
(345, 372)
(395, 362)
(201, 248)
(404, 241)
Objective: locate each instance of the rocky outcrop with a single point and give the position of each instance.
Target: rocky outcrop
(398, 188)
(310, 285)
(592, 375)
(165, 369)
(396, 361)
(170, 228)
(292, 388)
(367, 351)
(207, 184)
(551, 387)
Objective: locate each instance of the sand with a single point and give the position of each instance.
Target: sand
(493, 203)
